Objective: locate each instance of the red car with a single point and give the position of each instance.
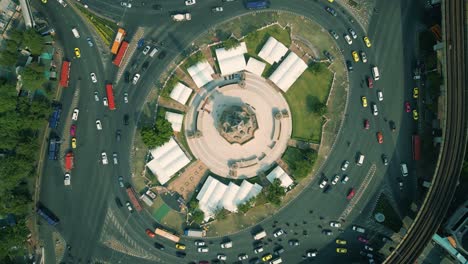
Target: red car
(150, 233)
(73, 130)
(351, 194)
(363, 239)
(366, 124)
(370, 82)
(380, 137)
(407, 107)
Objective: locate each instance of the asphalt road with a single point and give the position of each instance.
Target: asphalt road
(90, 219)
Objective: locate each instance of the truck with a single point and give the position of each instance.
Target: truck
(260, 235)
(47, 215)
(194, 233)
(167, 235)
(182, 17)
(118, 40)
(75, 32)
(55, 117)
(133, 199)
(257, 4)
(54, 146)
(69, 161)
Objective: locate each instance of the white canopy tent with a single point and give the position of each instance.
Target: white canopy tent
(232, 60)
(279, 173)
(175, 120)
(272, 51)
(288, 71)
(255, 66)
(181, 93)
(201, 73)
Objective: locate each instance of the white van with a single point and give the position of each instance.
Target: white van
(276, 261)
(360, 160)
(260, 235)
(154, 51)
(75, 33)
(375, 73)
(404, 169)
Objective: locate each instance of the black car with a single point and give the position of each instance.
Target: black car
(162, 55)
(127, 77)
(327, 188)
(278, 251)
(349, 65)
(384, 159)
(158, 246)
(327, 232)
(328, 55)
(180, 254)
(392, 125)
(118, 135)
(126, 117)
(118, 202)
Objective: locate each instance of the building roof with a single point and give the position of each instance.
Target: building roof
(272, 51)
(279, 173)
(167, 160)
(232, 60)
(201, 73)
(288, 71)
(175, 120)
(181, 93)
(255, 66)
(215, 195)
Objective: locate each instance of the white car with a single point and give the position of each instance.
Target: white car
(345, 165)
(129, 206)
(125, 4)
(311, 253)
(67, 179)
(190, 2)
(375, 111)
(353, 33)
(75, 114)
(323, 183)
(363, 57)
(336, 179)
(202, 249)
(335, 224)
(93, 77)
(96, 96)
(358, 229)
(217, 9)
(104, 101)
(243, 256)
(126, 98)
(115, 157)
(221, 257)
(366, 247)
(345, 179)
(258, 250)
(200, 243)
(146, 50)
(380, 95)
(105, 161)
(98, 124)
(278, 233)
(348, 39)
(136, 78)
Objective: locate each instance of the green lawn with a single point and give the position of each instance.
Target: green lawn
(392, 220)
(306, 124)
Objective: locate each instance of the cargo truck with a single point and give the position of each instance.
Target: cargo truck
(194, 233)
(182, 17)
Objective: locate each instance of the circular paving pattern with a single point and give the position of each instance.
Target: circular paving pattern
(230, 158)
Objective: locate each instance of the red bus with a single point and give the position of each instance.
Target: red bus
(69, 161)
(133, 199)
(123, 49)
(110, 96)
(65, 73)
(416, 147)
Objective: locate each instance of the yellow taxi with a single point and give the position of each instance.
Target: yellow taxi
(355, 56)
(180, 246)
(341, 250)
(340, 242)
(364, 101)
(77, 52)
(267, 257)
(367, 42)
(73, 142)
(415, 114)
(415, 92)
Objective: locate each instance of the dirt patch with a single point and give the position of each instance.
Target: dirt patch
(186, 183)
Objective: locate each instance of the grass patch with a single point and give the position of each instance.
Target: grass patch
(307, 125)
(392, 220)
(171, 83)
(192, 60)
(256, 39)
(105, 28)
(161, 212)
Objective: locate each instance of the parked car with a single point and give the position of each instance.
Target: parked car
(243, 256)
(335, 224)
(348, 39)
(200, 243)
(267, 257)
(352, 32)
(221, 257)
(311, 253)
(129, 206)
(336, 179)
(349, 66)
(150, 233)
(190, 2)
(363, 239)
(146, 50)
(333, 33)
(217, 9)
(331, 11)
(384, 159)
(73, 130)
(341, 250)
(293, 242)
(380, 137)
(203, 249)
(136, 77)
(327, 232)
(358, 229)
(98, 124)
(345, 179)
(345, 165)
(340, 242)
(278, 233)
(75, 114)
(370, 82)
(159, 246)
(366, 124)
(323, 183)
(180, 246)
(258, 250)
(407, 107)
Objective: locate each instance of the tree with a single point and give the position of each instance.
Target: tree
(198, 216)
(32, 78)
(317, 67)
(275, 192)
(158, 135)
(231, 43)
(7, 58)
(11, 46)
(16, 36)
(33, 41)
(315, 105)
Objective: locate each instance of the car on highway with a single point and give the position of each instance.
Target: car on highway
(278, 233)
(311, 253)
(345, 179)
(129, 206)
(400, 183)
(118, 202)
(121, 182)
(136, 77)
(203, 249)
(375, 111)
(368, 248)
(118, 135)
(146, 50)
(258, 249)
(104, 101)
(351, 194)
(415, 92)
(415, 114)
(90, 42)
(331, 11)
(96, 96)
(407, 107)
(334, 35)
(190, 2)
(267, 257)
(327, 232)
(125, 95)
(226, 244)
(380, 95)
(358, 229)
(349, 66)
(341, 250)
(180, 246)
(327, 188)
(367, 42)
(348, 39)
(352, 32)
(104, 159)
(355, 56)
(293, 242)
(392, 125)
(363, 239)
(73, 130)
(115, 158)
(199, 243)
(345, 165)
(159, 246)
(126, 5)
(126, 118)
(217, 9)
(98, 125)
(67, 179)
(380, 137)
(363, 57)
(364, 101)
(181, 254)
(336, 179)
(150, 233)
(242, 256)
(340, 242)
(77, 53)
(93, 77)
(221, 257)
(366, 124)
(73, 142)
(323, 183)
(75, 114)
(335, 224)
(370, 82)
(384, 159)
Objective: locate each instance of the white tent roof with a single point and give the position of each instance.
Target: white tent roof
(175, 120)
(279, 173)
(201, 73)
(255, 66)
(215, 194)
(167, 160)
(232, 60)
(272, 51)
(181, 93)
(289, 70)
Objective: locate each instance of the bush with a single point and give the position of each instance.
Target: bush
(231, 43)
(300, 161)
(159, 134)
(275, 192)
